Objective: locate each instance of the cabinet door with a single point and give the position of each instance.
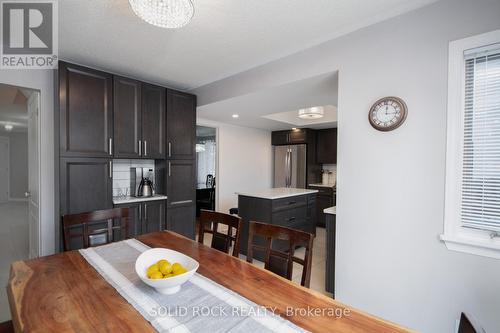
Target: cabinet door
(181, 219)
(127, 117)
(326, 147)
(181, 189)
(181, 125)
(153, 121)
(85, 185)
(153, 216)
(297, 136)
(134, 219)
(279, 138)
(322, 202)
(86, 111)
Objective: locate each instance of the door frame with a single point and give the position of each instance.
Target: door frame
(7, 139)
(200, 122)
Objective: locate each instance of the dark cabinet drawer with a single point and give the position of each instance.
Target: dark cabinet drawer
(290, 202)
(291, 217)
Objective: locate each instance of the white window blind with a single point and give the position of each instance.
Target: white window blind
(480, 200)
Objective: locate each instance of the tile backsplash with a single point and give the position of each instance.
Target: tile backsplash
(121, 174)
(332, 168)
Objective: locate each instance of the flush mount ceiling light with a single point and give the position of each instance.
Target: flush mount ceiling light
(170, 14)
(235, 116)
(8, 127)
(312, 113)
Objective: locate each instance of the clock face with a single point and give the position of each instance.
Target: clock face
(387, 113)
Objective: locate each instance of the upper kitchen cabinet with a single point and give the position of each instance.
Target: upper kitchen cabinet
(326, 147)
(153, 121)
(181, 125)
(296, 136)
(127, 118)
(86, 111)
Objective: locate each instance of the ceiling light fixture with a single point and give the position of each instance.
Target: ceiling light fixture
(312, 113)
(236, 116)
(171, 14)
(8, 127)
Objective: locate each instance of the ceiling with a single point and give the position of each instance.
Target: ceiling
(13, 108)
(275, 107)
(224, 38)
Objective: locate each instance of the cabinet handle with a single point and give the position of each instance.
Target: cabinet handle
(292, 202)
(140, 211)
(145, 148)
(170, 149)
(145, 211)
(181, 202)
(140, 148)
(291, 219)
(110, 146)
(169, 169)
(110, 169)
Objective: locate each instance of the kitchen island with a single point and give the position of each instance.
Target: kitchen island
(289, 207)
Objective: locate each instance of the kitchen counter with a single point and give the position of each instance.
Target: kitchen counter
(323, 185)
(331, 210)
(127, 200)
(277, 193)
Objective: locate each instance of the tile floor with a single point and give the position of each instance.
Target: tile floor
(318, 262)
(13, 245)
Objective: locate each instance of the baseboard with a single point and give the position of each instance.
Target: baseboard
(18, 199)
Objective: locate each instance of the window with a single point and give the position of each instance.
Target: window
(472, 204)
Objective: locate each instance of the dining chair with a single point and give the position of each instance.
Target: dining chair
(281, 262)
(209, 223)
(95, 228)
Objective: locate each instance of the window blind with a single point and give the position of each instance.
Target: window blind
(480, 200)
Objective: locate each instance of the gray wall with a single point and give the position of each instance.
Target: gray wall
(390, 261)
(18, 164)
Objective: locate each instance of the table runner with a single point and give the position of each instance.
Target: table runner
(201, 305)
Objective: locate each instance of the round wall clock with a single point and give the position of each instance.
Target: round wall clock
(388, 113)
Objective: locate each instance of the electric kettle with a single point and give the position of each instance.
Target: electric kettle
(146, 188)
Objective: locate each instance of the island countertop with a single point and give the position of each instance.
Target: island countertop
(277, 193)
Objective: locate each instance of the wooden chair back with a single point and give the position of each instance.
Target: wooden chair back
(209, 223)
(89, 227)
(281, 262)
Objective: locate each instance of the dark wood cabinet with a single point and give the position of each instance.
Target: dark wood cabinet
(146, 217)
(181, 219)
(325, 199)
(296, 136)
(331, 226)
(181, 125)
(85, 185)
(127, 118)
(86, 111)
(154, 216)
(326, 147)
(153, 121)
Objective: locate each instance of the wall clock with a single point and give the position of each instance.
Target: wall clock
(387, 113)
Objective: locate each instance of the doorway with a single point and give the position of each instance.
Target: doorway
(206, 162)
(19, 180)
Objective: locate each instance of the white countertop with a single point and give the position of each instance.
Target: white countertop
(126, 200)
(331, 210)
(322, 185)
(277, 193)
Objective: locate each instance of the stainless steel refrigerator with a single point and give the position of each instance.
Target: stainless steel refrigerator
(290, 166)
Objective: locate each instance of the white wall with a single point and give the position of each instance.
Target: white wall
(41, 80)
(390, 194)
(18, 164)
(244, 161)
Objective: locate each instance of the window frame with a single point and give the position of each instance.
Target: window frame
(456, 237)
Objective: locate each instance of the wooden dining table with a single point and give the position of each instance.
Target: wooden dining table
(64, 293)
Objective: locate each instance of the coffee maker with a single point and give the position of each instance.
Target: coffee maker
(142, 182)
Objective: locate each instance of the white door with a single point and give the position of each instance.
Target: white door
(33, 176)
(4, 169)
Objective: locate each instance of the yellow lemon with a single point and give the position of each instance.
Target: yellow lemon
(176, 267)
(180, 271)
(162, 261)
(156, 275)
(165, 268)
(152, 269)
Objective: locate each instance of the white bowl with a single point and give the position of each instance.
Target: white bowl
(169, 285)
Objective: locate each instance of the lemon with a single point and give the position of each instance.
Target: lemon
(176, 266)
(180, 271)
(162, 261)
(156, 275)
(165, 268)
(152, 269)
